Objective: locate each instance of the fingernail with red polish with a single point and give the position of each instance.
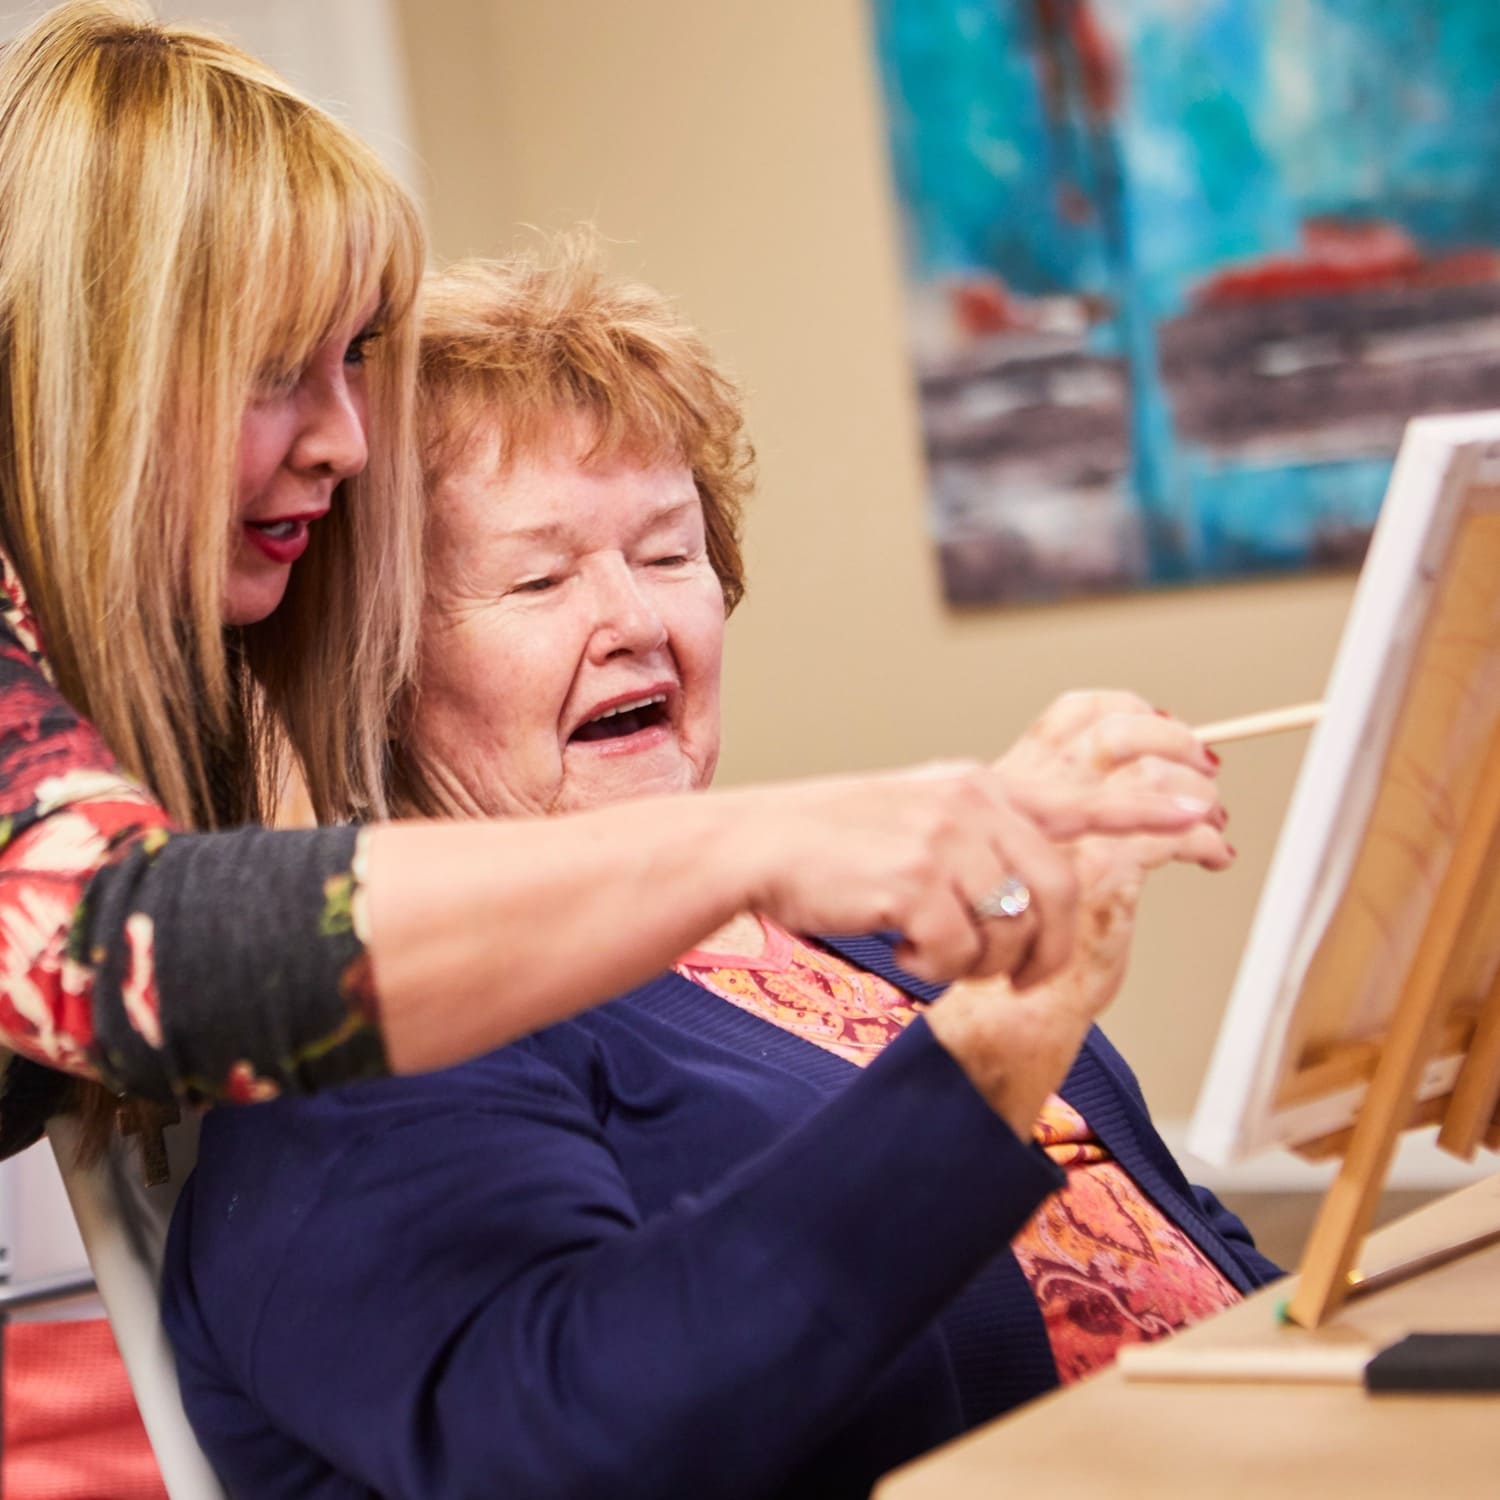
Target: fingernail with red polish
(1213, 759)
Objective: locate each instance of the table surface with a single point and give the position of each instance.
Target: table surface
(1113, 1438)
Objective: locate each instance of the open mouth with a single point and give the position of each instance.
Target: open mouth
(279, 531)
(282, 541)
(623, 720)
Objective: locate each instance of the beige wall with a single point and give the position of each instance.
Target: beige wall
(734, 148)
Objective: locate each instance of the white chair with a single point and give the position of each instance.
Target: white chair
(123, 1225)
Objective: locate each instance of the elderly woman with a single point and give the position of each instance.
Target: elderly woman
(763, 1225)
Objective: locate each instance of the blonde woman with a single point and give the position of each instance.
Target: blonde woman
(206, 293)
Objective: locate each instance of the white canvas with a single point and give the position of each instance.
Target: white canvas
(1446, 468)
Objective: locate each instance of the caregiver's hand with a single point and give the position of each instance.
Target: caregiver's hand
(1112, 759)
(933, 852)
(1016, 1047)
(918, 852)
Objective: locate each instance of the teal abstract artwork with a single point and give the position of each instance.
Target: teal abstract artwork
(1179, 271)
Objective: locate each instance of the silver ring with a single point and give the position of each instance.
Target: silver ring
(1010, 898)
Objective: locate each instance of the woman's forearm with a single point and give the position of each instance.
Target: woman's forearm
(481, 932)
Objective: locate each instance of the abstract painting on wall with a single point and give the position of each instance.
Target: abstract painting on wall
(1179, 271)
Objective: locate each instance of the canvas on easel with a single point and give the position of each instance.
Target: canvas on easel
(1368, 998)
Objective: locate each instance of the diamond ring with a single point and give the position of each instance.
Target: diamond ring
(1009, 899)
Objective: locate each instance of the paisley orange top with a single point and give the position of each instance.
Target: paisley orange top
(1107, 1267)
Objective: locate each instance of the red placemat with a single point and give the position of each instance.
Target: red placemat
(72, 1431)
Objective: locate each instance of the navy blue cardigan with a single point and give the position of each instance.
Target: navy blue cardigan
(665, 1249)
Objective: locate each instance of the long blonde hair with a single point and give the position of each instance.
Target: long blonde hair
(175, 223)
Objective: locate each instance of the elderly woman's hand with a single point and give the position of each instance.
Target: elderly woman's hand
(925, 852)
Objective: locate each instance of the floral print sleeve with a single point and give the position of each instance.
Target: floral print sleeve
(205, 967)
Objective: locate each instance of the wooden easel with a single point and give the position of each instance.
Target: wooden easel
(1432, 1017)
(1327, 1276)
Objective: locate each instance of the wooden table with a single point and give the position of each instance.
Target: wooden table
(1112, 1438)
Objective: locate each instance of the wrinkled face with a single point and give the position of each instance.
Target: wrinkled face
(572, 645)
(300, 437)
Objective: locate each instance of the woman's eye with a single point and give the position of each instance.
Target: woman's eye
(534, 586)
(359, 346)
(676, 560)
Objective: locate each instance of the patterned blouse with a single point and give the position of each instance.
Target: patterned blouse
(1107, 1267)
(169, 965)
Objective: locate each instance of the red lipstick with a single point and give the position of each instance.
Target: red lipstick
(283, 540)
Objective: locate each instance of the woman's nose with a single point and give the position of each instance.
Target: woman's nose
(333, 439)
(627, 620)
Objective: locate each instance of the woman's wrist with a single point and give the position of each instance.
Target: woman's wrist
(1014, 1048)
(748, 830)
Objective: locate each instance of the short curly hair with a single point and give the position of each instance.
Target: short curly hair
(509, 347)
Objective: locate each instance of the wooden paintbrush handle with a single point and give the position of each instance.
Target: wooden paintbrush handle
(1251, 726)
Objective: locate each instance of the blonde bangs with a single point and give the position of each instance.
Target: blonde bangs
(341, 232)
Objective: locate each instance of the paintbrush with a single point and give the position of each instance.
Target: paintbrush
(1252, 726)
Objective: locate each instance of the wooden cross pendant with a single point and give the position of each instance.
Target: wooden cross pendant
(147, 1122)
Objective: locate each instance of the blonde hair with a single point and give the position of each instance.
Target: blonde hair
(175, 225)
(510, 349)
